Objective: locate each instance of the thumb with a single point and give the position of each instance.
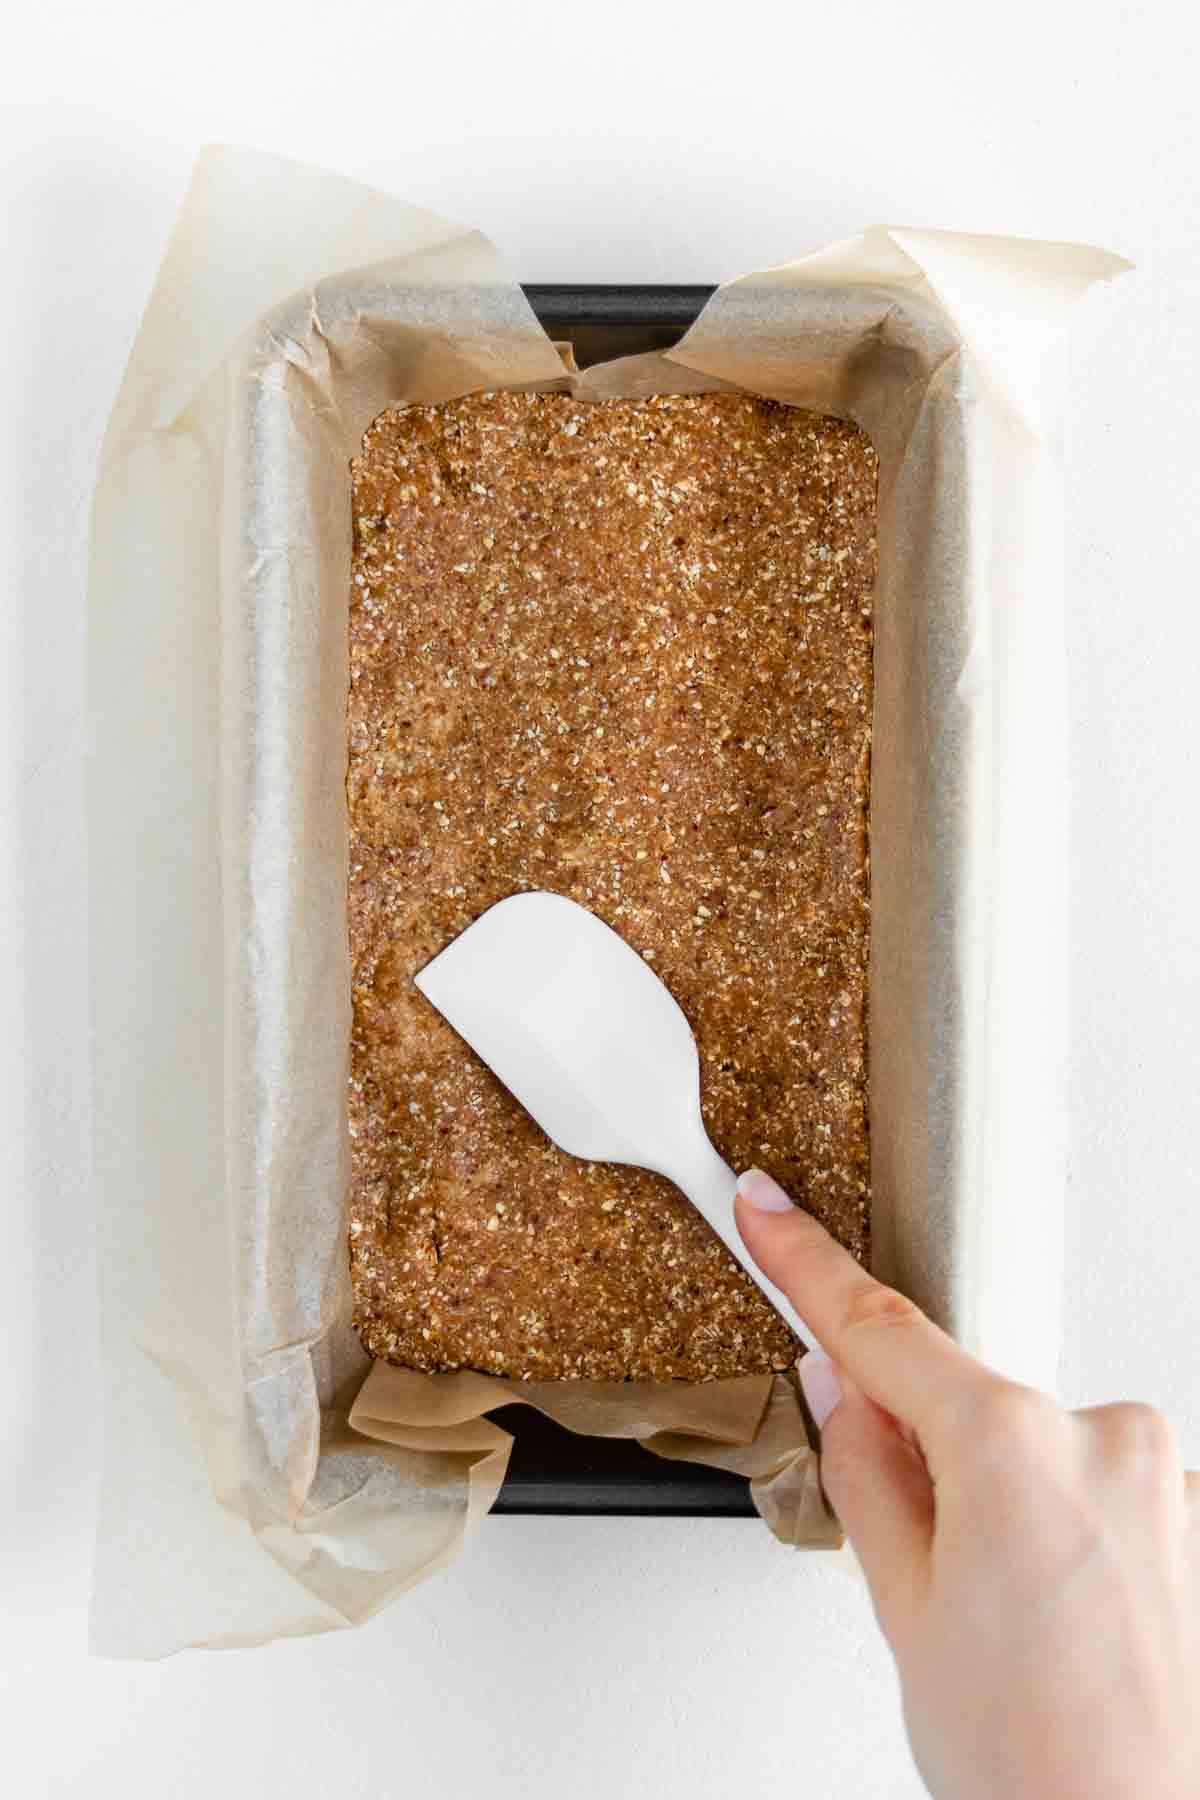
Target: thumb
(876, 1482)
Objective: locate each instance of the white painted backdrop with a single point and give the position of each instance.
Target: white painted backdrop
(624, 141)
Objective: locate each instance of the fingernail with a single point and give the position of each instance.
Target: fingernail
(821, 1383)
(763, 1194)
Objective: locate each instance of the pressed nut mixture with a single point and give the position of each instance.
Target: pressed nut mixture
(621, 651)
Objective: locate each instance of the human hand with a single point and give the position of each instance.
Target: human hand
(1035, 1571)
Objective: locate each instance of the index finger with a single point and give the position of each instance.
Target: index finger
(886, 1344)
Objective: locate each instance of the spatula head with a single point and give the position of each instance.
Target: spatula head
(577, 1026)
(593, 1046)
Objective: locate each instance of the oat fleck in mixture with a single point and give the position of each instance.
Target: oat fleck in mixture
(621, 651)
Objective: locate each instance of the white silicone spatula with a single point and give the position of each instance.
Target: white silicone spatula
(583, 1032)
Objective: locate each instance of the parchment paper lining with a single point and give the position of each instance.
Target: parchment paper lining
(255, 1486)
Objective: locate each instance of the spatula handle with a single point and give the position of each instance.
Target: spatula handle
(710, 1185)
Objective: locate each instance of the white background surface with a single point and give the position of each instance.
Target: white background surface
(624, 141)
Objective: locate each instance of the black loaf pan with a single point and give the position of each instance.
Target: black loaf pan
(552, 1470)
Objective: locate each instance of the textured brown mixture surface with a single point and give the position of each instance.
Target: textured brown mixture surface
(621, 651)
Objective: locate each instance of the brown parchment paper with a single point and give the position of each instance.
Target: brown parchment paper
(262, 1478)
